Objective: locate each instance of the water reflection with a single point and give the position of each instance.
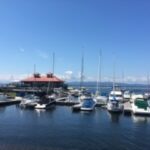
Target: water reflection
(141, 119)
(39, 111)
(114, 117)
(2, 109)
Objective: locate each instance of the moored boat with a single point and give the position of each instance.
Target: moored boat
(29, 101)
(115, 106)
(45, 103)
(117, 94)
(126, 96)
(141, 106)
(88, 104)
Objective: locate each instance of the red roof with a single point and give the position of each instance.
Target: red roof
(42, 79)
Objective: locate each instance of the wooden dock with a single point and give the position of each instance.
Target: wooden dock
(66, 102)
(9, 102)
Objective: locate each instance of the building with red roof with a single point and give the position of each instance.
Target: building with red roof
(38, 80)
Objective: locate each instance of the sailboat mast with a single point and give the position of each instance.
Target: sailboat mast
(148, 82)
(53, 63)
(34, 75)
(82, 71)
(114, 76)
(123, 80)
(53, 67)
(99, 73)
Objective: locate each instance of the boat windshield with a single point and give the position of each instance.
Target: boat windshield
(116, 95)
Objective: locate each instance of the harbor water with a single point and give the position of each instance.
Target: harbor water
(61, 129)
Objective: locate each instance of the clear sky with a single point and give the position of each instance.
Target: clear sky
(31, 30)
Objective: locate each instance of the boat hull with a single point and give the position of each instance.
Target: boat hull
(44, 106)
(138, 111)
(115, 108)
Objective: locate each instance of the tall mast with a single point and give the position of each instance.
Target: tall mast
(123, 80)
(114, 76)
(99, 73)
(34, 68)
(53, 63)
(82, 71)
(34, 75)
(53, 71)
(148, 82)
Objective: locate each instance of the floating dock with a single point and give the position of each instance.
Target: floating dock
(9, 102)
(66, 102)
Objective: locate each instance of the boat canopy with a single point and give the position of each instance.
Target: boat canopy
(88, 103)
(141, 103)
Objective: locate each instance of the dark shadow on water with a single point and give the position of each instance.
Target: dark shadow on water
(2, 109)
(114, 117)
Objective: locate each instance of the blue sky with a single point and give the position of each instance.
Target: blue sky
(31, 30)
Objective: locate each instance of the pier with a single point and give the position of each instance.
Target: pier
(66, 102)
(9, 102)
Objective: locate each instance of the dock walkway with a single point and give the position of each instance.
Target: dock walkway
(9, 102)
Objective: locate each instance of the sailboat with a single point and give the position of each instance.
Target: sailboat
(86, 102)
(115, 98)
(48, 100)
(147, 94)
(101, 100)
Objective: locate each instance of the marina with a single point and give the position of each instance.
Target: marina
(74, 75)
(72, 117)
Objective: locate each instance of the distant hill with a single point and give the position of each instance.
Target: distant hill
(106, 84)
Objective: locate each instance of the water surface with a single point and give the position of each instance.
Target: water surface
(62, 129)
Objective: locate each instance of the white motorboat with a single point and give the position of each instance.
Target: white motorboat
(126, 96)
(29, 101)
(46, 103)
(140, 106)
(115, 106)
(134, 96)
(101, 100)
